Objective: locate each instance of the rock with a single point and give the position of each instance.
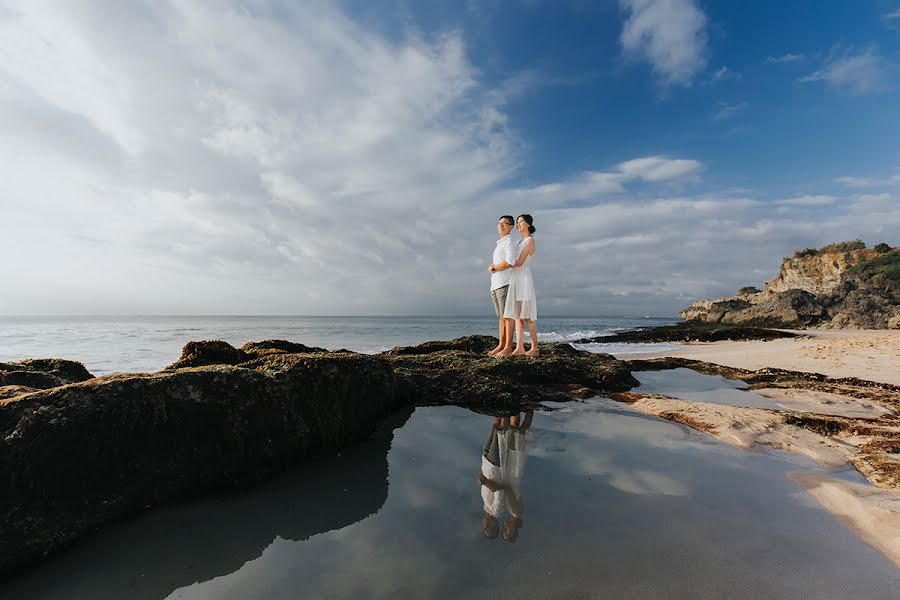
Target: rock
(690, 332)
(266, 347)
(42, 373)
(818, 274)
(77, 456)
(460, 372)
(858, 289)
(208, 352)
(10, 391)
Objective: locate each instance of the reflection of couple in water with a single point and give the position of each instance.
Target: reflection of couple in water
(502, 467)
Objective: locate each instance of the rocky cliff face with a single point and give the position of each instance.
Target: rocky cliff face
(820, 274)
(855, 289)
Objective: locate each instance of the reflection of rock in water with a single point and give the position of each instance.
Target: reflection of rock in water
(74, 457)
(152, 557)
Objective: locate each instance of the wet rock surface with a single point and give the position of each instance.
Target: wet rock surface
(84, 451)
(691, 332)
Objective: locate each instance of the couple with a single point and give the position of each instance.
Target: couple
(512, 287)
(502, 468)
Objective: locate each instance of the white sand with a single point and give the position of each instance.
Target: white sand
(868, 354)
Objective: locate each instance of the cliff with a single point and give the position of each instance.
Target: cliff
(841, 286)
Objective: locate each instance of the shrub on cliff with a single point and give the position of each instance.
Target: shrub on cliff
(747, 290)
(882, 248)
(848, 246)
(885, 268)
(806, 252)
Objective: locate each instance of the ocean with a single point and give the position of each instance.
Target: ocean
(115, 344)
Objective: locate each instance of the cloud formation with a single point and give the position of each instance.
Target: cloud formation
(668, 34)
(854, 73)
(785, 58)
(280, 158)
(868, 182)
(727, 110)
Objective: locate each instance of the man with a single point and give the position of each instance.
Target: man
(505, 254)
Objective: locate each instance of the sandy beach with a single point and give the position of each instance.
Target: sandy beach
(866, 354)
(836, 425)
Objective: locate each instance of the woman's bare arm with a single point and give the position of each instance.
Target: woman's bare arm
(527, 251)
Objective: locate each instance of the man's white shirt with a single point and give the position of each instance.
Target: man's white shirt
(506, 250)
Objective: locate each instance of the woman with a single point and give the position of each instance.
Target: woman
(521, 304)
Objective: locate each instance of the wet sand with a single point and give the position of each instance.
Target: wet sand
(872, 354)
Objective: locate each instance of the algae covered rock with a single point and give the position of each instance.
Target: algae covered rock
(460, 372)
(265, 347)
(42, 373)
(76, 456)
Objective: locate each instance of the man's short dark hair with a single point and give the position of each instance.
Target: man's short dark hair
(509, 219)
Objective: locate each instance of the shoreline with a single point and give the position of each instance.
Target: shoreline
(838, 422)
(872, 354)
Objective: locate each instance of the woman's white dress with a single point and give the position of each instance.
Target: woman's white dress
(520, 300)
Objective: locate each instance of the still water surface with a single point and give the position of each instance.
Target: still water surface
(616, 505)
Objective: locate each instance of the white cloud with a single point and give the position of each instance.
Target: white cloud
(785, 58)
(891, 16)
(727, 110)
(659, 168)
(596, 185)
(198, 158)
(820, 200)
(669, 34)
(856, 74)
(864, 182)
(278, 145)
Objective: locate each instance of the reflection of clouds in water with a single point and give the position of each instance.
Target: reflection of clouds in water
(434, 476)
(646, 482)
(449, 456)
(575, 427)
(607, 515)
(308, 570)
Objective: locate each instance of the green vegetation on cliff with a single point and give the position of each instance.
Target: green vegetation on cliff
(884, 268)
(847, 246)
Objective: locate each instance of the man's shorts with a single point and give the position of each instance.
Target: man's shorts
(499, 298)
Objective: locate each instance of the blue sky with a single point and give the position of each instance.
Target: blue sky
(744, 113)
(274, 157)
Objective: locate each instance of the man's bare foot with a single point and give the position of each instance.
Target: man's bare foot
(503, 353)
(533, 353)
(519, 350)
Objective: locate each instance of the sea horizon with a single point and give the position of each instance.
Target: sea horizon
(108, 344)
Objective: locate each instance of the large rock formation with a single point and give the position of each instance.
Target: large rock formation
(81, 453)
(832, 288)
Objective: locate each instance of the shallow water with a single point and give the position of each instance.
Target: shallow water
(616, 505)
(686, 384)
(128, 344)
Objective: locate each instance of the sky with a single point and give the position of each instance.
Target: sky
(352, 157)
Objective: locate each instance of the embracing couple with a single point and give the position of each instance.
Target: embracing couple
(512, 287)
